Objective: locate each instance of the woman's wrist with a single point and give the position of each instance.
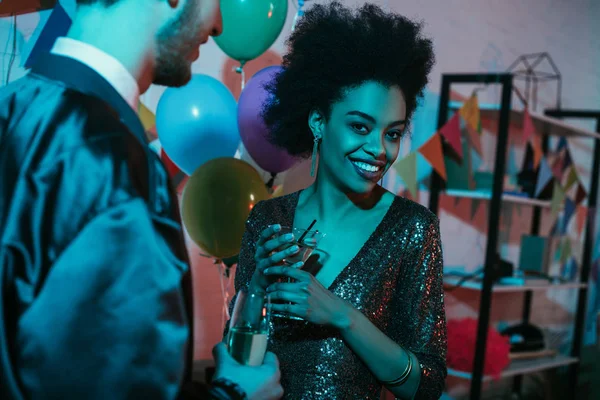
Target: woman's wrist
(345, 319)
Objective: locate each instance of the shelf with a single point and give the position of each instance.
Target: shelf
(533, 284)
(543, 124)
(485, 195)
(521, 367)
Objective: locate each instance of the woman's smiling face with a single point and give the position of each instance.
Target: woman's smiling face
(361, 137)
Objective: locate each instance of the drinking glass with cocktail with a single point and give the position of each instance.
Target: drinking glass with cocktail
(307, 241)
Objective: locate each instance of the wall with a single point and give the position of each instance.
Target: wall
(469, 36)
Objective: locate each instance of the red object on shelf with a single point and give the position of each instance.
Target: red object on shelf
(18, 7)
(462, 337)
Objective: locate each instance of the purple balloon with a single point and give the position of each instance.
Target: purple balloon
(253, 130)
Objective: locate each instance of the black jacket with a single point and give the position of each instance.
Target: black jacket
(96, 298)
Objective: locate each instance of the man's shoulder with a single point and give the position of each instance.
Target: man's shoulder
(66, 141)
(46, 120)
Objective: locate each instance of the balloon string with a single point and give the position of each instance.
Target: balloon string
(223, 275)
(271, 182)
(224, 292)
(240, 70)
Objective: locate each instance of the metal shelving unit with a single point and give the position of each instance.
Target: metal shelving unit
(545, 125)
(588, 243)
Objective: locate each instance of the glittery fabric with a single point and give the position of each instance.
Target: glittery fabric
(395, 280)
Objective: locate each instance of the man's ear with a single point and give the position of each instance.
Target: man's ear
(316, 122)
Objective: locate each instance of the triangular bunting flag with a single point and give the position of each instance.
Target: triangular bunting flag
(568, 213)
(551, 158)
(432, 151)
(151, 134)
(572, 192)
(155, 146)
(569, 178)
(451, 132)
(558, 196)
(566, 250)
(536, 145)
(146, 116)
(562, 144)
(567, 161)
(580, 218)
(560, 227)
(470, 113)
(573, 269)
(50, 27)
(544, 176)
(557, 168)
(474, 139)
(558, 251)
(581, 194)
(407, 169)
(528, 128)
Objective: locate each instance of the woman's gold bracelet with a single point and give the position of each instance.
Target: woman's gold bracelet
(402, 378)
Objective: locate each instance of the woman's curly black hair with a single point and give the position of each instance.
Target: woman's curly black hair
(334, 48)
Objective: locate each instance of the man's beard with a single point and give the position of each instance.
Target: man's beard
(172, 67)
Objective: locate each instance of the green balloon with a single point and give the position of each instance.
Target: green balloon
(250, 27)
(216, 202)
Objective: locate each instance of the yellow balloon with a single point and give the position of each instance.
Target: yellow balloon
(216, 202)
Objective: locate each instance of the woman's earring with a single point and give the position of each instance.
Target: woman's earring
(313, 164)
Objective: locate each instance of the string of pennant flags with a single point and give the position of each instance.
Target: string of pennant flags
(556, 172)
(468, 119)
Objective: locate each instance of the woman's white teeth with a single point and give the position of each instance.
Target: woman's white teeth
(366, 167)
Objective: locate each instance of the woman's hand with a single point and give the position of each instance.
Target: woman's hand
(310, 300)
(271, 249)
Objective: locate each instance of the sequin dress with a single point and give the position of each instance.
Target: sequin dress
(395, 280)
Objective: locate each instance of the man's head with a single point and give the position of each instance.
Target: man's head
(178, 28)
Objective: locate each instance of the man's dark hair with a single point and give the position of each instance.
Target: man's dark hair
(334, 48)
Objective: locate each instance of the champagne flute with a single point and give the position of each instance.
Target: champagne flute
(249, 328)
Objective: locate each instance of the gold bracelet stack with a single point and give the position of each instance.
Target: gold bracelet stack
(401, 380)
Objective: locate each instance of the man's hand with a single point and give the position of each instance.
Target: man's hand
(259, 383)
